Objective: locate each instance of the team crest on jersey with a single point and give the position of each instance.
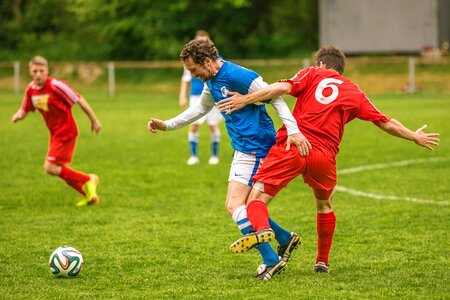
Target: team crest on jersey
(40, 101)
(224, 91)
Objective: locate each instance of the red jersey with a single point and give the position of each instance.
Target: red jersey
(326, 101)
(54, 101)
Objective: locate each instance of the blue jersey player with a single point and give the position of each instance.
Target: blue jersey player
(252, 134)
(195, 87)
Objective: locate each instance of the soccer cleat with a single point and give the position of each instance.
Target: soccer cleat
(94, 201)
(213, 160)
(90, 190)
(285, 251)
(251, 240)
(320, 267)
(266, 272)
(193, 160)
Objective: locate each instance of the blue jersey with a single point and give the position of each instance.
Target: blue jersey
(250, 128)
(196, 86)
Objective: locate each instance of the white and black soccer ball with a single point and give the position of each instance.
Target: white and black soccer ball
(65, 261)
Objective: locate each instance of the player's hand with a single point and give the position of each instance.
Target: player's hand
(18, 116)
(183, 102)
(300, 141)
(233, 103)
(96, 126)
(156, 124)
(426, 139)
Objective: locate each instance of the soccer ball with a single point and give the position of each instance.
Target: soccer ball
(65, 261)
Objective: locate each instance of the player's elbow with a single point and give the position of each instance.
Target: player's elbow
(386, 126)
(392, 127)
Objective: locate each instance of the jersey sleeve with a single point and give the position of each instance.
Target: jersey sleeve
(193, 113)
(298, 81)
(241, 80)
(65, 92)
(368, 112)
(279, 105)
(256, 85)
(27, 104)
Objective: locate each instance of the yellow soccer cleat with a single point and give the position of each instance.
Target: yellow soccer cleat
(251, 240)
(90, 189)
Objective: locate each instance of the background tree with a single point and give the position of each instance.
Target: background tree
(155, 29)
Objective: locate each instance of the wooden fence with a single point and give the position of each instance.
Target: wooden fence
(112, 66)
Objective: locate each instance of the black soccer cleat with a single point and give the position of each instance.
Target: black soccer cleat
(285, 251)
(320, 267)
(266, 272)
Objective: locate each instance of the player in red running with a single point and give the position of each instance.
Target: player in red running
(326, 101)
(54, 100)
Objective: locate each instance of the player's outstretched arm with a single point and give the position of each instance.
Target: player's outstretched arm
(238, 101)
(421, 138)
(19, 115)
(156, 124)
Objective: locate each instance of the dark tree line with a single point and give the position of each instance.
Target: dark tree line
(155, 29)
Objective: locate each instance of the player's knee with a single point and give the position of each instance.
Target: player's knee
(193, 136)
(193, 128)
(258, 192)
(215, 135)
(230, 208)
(50, 168)
(324, 206)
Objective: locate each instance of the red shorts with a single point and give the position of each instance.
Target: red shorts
(61, 152)
(279, 167)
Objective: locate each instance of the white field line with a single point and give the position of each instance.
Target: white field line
(388, 165)
(401, 163)
(343, 189)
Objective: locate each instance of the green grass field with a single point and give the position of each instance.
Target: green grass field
(161, 230)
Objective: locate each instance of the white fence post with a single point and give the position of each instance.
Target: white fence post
(412, 75)
(16, 77)
(111, 79)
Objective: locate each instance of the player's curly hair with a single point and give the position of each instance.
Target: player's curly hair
(199, 50)
(332, 57)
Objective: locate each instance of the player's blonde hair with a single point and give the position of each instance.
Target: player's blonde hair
(38, 60)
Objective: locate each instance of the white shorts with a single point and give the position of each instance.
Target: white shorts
(213, 117)
(243, 167)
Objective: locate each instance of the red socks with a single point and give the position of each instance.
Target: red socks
(326, 223)
(74, 179)
(258, 214)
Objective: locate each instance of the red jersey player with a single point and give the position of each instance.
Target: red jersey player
(326, 101)
(54, 100)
